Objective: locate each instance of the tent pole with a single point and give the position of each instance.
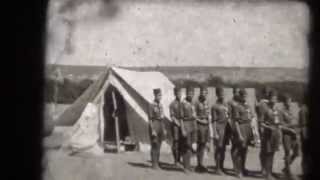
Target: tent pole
(116, 121)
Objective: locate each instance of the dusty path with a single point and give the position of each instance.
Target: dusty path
(136, 166)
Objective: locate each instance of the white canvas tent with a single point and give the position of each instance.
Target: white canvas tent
(87, 117)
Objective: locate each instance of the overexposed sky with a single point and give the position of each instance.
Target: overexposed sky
(235, 33)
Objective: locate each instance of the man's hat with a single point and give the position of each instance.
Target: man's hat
(272, 93)
(190, 89)
(266, 90)
(219, 90)
(203, 87)
(243, 91)
(234, 88)
(177, 89)
(156, 91)
(286, 96)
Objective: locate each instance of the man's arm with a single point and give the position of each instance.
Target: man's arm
(173, 115)
(236, 115)
(214, 123)
(182, 114)
(196, 110)
(150, 116)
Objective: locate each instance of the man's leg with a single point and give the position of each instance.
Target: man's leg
(236, 159)
(244, 160)
(234, 150)
(158, 150)
(200, 154)
(219, 154)
(175, 144)
(295, 151)
(286, 169)
(186, 149)
(174, 151)
(263, 153)
(223, 152)
(218, 158)
(262, 157)
(239, 161)
(226, 136)
(154, 154)
(269, 165)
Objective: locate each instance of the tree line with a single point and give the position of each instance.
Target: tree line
(70, 90)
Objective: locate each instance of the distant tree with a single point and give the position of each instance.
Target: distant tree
(215, 80)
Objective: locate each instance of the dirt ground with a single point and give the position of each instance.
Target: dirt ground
(136, 166)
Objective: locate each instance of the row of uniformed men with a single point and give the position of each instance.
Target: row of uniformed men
(194, 123)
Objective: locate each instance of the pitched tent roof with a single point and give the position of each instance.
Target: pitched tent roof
(136, 88)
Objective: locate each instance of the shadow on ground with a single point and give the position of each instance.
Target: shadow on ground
(163, 165)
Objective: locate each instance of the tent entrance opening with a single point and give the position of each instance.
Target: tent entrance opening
(120, 112)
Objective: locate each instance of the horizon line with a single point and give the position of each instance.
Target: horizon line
(157, 66)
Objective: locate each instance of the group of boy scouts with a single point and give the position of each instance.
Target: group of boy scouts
(192, 124)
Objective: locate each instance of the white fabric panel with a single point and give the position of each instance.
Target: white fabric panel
(144, 83)
(128, 98)
(84, 134)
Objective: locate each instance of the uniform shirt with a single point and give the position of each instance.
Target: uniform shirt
(303, 116)
(273, 116)
(232, 107)
(288, 116)
(261, 107)
(303, 121)
(188, 111)
(156, 111)
(202, 110)
(220, 112)
(242, 113)
(175, 111)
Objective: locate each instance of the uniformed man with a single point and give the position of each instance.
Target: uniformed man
(289, 136)
(303, 124)
(220, 117)
(242, 115)
(261, 107)
(271, 133)
(232, 133)
(203, 118)
(176, 118)
(157, 130)
(188, 129)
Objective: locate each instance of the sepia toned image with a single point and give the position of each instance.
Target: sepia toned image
(176, 89)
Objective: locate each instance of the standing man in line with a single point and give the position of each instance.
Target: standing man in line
(242, 116)
(188, 130)
(232, 133)
(290, 136)
(203, 121)
(176, 118)
(220, 117)
(261, 107)
(156, 128)
(303, 125)
(271, 133)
